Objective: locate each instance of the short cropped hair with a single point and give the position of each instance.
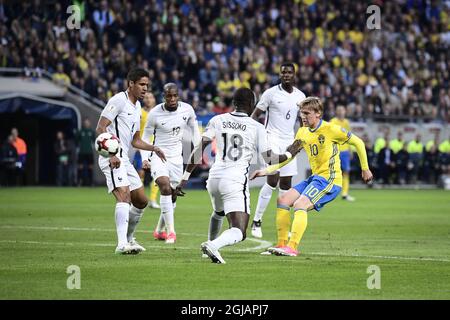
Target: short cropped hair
(243, 97)
(170, 85)
(137, 73)
(287, 64)
(313, 103)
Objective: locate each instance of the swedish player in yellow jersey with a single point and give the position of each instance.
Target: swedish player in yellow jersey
(345, 152)
(321, 141)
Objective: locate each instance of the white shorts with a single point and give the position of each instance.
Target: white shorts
(172, 168)
(229, 196)
(279, 146)
(125, 175)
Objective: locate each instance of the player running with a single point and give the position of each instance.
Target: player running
(121, 117)
(166, 123)
(239, 139)
(280, 104)
(321, 141)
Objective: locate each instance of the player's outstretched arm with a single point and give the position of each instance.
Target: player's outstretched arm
(362, 155)
(194, 160)
(278, 160)
(138, 143)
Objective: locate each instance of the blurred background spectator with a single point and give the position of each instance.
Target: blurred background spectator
(211, 47)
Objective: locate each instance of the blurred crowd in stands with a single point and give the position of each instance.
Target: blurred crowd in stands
(396, 161)
(211, 47)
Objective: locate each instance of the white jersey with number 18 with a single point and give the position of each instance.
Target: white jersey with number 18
(239, 138)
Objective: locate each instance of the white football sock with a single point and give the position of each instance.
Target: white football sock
(134, 218)
(215, 224)
(167, 212)
(263, 201)
(228, 237)
(122, 213)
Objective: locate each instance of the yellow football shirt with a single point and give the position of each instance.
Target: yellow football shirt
(346, 125)
(322, 148)
(144, 116)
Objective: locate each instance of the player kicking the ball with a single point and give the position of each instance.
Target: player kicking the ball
(321, 141)
(239, 139)
(121, 117)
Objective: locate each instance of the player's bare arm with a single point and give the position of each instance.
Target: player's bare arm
(194, 160)
(141, 144)
(256, 113)
(103, 123)
(280, 160)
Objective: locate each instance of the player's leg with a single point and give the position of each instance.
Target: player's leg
(345, 167)
(236, 205)
(218, 215)
(123, 199)
(265, 194)
(283, 216)
(153, 194)
(119, 185)
(315, 195)
(138, 204)
(165, 201)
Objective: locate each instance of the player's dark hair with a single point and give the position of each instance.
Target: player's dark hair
(137, 73)
(287, 64)
(243, 98)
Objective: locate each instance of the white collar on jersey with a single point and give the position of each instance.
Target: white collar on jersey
(128, 98)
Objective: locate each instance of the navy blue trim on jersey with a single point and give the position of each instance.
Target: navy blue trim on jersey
(154, 140)
(239, 114)
(112, 177)
(245, 187)
(267, 117)
(315, 129)
(117, 132)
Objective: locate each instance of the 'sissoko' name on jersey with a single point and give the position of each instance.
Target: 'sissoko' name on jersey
(234, 125)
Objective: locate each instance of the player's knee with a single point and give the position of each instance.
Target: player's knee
(122, 195)
(165, 189)
(303, 203)
(272, 181)
(285, 183)
(140, 203)
(284, 201)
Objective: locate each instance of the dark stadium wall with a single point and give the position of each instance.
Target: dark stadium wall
(39, 134)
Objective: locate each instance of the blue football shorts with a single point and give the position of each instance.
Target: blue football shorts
(345, 161)
(318, 190)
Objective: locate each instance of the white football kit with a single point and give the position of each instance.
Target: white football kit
(167, 128)
(239, 139)
(281, 114)
(125, 122)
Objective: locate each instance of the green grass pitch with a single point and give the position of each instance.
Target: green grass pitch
(43, 231)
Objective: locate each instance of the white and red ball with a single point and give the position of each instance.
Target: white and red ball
(107, 144)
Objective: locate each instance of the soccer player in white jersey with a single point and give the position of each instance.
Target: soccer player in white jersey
(280, 105)
(121, 118)
(239, 140)
(167, 123)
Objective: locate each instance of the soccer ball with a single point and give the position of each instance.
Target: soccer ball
(107, 144)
